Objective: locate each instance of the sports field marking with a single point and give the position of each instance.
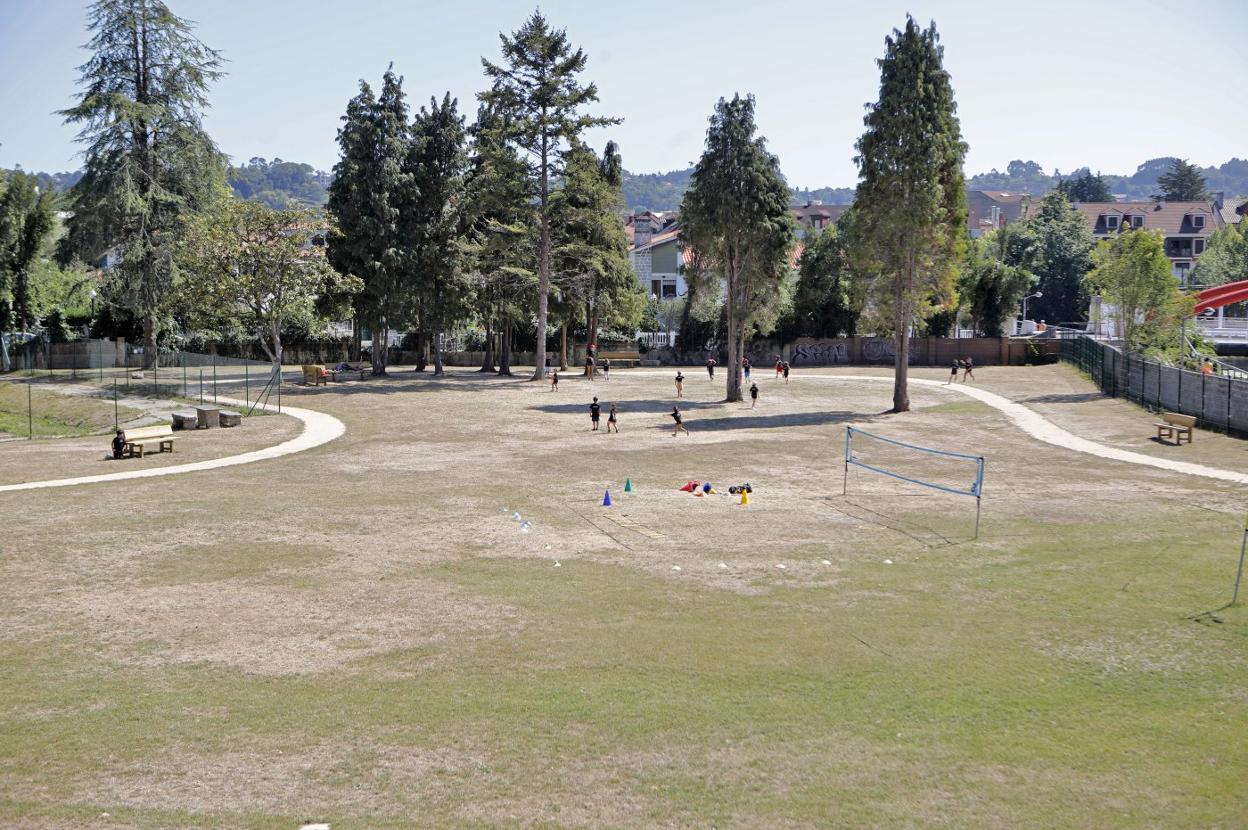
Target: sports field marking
(318, 428)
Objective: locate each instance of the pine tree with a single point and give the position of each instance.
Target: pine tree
(1183, 182)
(26, 222)
(541, 101)
(501, 236)
(149, 162)
(736, 222)
(1064, 247)
(911, 202)
(365, 198)
(590, 248)
(432, 220)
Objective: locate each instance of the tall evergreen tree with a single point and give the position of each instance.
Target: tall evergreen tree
(433, 220)
(541, 103)
(149, 162)
(911, 203)
(26, 222)
(370, 184)
(590, 246)
(501, 236)
(1063, 253)
(736, 221)
(1183, 182)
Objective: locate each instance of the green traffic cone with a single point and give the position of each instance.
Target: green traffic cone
(628, 485)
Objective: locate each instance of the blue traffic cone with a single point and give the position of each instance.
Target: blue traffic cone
(606, 498)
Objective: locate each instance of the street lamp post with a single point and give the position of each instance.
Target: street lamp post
(1036, 295)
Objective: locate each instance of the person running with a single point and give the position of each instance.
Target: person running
(779, 367)
(594, 411)
(753, 395)
(953, 372)
(680, 384)
(785, 369)
(968, 370)
(611, 422)
(680, 424)
(606, 368)
(710, 368)
(745, 367)
(119, 445)
(554, 380)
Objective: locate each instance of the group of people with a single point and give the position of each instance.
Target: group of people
(966, 365)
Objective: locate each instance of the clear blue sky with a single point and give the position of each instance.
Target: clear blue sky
(1064, 83)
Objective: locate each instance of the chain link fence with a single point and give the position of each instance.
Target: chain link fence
(1218, 401)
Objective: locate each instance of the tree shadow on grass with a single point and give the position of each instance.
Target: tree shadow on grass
(788, 419)
(1073, 397)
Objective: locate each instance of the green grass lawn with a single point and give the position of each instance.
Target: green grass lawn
(403, 656)
(55, 415)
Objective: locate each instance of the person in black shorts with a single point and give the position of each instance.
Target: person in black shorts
(753, 395)
(606, 368)
(680, 384)
(745, 367)
(710, 367)
(119, 445)
(968, 370)
(611, 424)
(594, 410)
(554, 380)
(589, 367)
(953, 372)
(785, 368)
(680, 424)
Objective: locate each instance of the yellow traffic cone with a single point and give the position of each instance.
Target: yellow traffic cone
(745, 497)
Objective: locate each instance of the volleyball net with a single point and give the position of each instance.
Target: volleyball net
(957, 473)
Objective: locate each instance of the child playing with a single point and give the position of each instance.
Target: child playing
(680, 425)
(554, 380)
(779, 367)
(611, 424)
(785, 368)
(953, 372)
(606, 368)
(753, 395)
(119, 445)
(710, 368)
(680, 384)
(968, 370)
(594, 411)
(745, 367)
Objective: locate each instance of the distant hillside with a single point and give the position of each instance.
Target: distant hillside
(278, 182)
(663, 191)
(1029, 177)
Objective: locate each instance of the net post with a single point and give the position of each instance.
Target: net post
(849, 431)
(1240, 573)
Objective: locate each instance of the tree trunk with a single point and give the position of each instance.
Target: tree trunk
(149, 340)
(543, 265)
(437, 354)
(901, 360)
(591, 333)
(355, 339)
(487, 356)
(563, 348)
(504, 357)
(381, 340)
(736, 331)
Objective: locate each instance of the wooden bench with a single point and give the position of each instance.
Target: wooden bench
(143, 437)
(1175, 427)
(620, 360)
(315, 375)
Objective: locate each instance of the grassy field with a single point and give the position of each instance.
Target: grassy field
(54, 414)
(361, 634)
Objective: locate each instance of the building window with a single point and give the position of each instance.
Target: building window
(1198, 247)
(1136, 221)
(1180, 271)
(1111, 223)
(1198, 220)
(669, 290)
(656, 288)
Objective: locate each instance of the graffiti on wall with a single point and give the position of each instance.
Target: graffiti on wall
(820, 353)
